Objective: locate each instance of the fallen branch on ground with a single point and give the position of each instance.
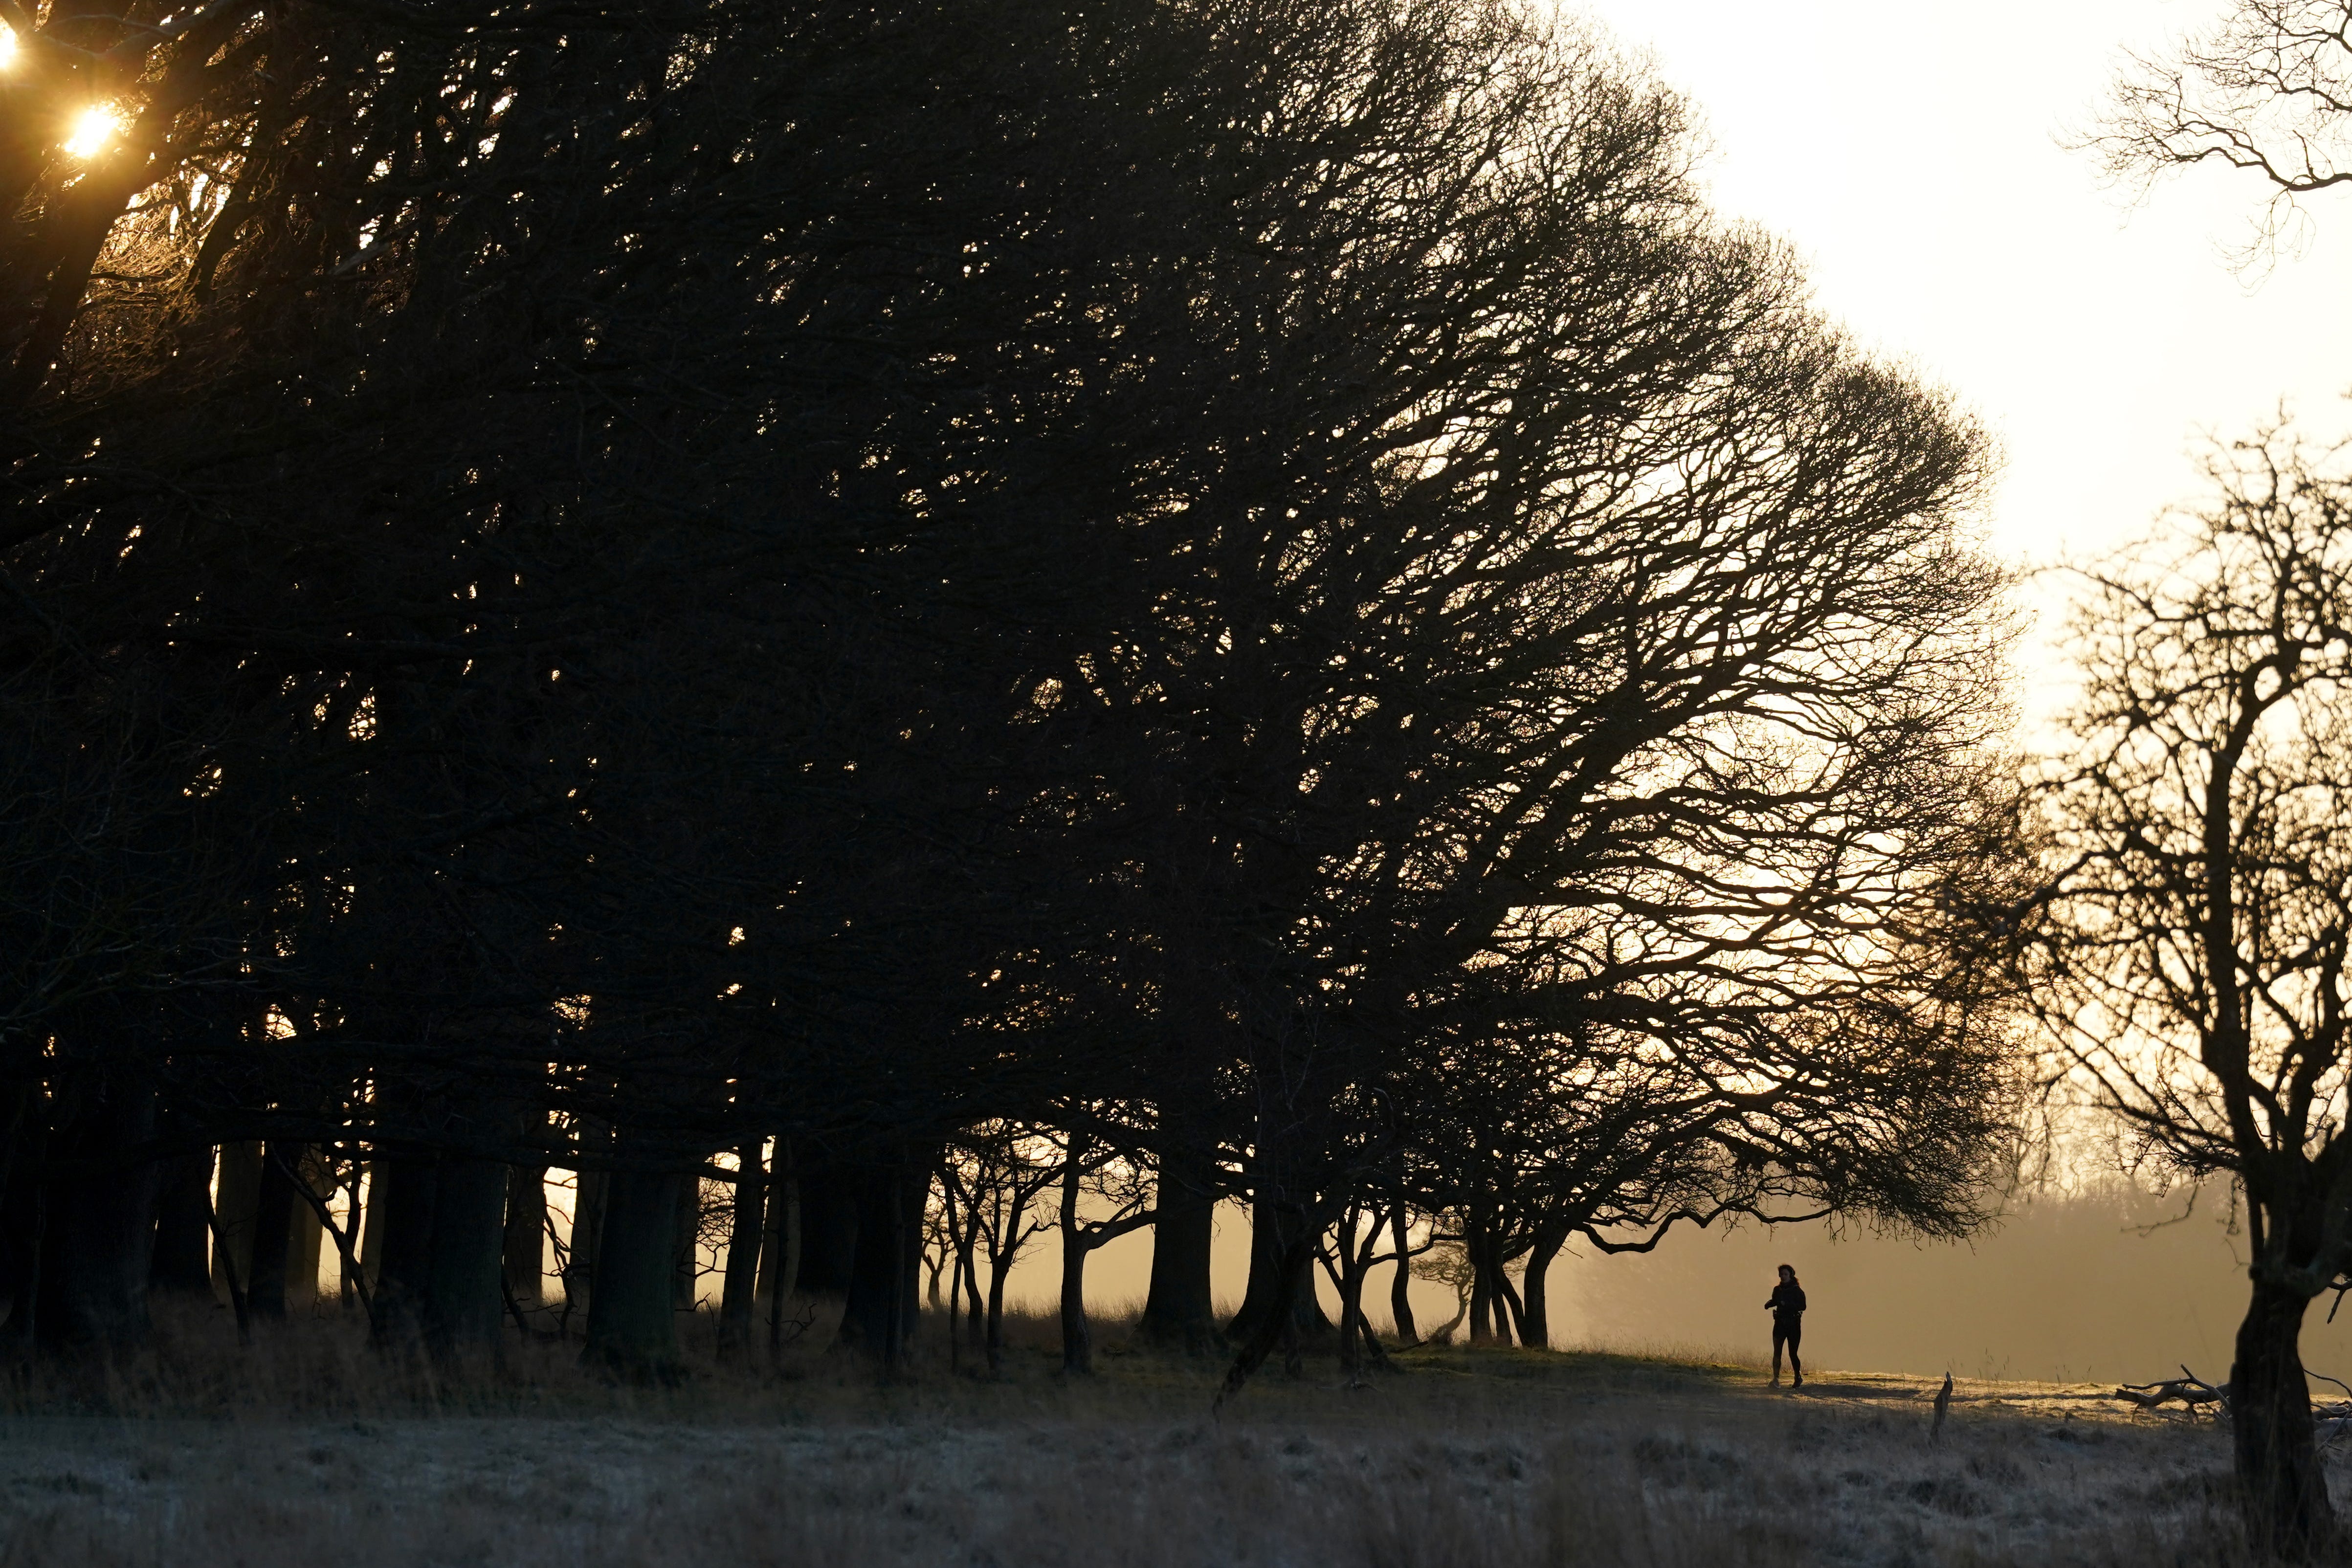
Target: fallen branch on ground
(2191, 1390)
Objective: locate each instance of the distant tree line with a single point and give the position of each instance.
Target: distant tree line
(908, 611)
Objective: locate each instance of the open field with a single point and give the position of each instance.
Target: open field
(1465, 1458)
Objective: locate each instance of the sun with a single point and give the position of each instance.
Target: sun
(92, 131)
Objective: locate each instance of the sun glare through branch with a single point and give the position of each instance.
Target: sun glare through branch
(93, 128)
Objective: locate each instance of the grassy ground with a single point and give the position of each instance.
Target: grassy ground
(309, 1450)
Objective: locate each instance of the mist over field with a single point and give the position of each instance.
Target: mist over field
(2067, 1290)
(2115, 1286)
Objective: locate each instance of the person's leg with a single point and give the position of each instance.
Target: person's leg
(1796, 1364)
(1780, 1337)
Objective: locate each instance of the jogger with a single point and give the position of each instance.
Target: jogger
(1787, 1305)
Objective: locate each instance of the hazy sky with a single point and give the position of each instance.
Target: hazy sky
(1909, 150)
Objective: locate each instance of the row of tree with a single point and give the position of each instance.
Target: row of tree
(1252, 586)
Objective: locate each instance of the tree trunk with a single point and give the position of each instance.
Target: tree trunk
(523, 1251)
(686, 1281)
(305, 1238)
(24, 1121)
(2281, 1486)
(1510, 1317)
(1401, 1288)
(580, 1252)
(1309, 1324)
(783, 1240)
(878, 1318)
(1353, 1330)
(1265, 1283)
(1077, 1339)
(956, 1272)
(273, 1230)
(371, 1218)
(182, 1264)
(911, 1306)
(632, 1324)
(999, 1269)
(98, 1236)
(778, 1259)
(1279, 1324)
(463, 1304)
(402, 1210)
(743, 1248)
(975, 1308)
(24, 1214)
(829, 1217)
(1078, 1344)
(1483, 1305)
(1537, 1331)
(445, 1230)
(1179, 1311)
(240, 1189)
(350, 1270)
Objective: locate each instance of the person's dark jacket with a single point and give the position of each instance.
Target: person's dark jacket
(1788, 1302)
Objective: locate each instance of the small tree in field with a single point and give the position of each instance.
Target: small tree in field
(991, 1180)
(2188, 949)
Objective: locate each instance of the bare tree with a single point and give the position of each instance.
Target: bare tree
(2267, 89)
(2188, 950)
(995, 1175)
(1352, 1254)
(1447, 1262)
(1118, 1182)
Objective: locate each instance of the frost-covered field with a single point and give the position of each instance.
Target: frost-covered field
(1490, 1459)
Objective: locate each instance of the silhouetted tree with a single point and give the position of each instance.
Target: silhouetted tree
(1118, 1182)
(2186, 954)
(2266, 90)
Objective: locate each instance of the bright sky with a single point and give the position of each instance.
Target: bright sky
(1909, 150)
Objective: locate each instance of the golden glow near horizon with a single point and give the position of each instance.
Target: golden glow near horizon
(1911, 155)
(92, 130)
